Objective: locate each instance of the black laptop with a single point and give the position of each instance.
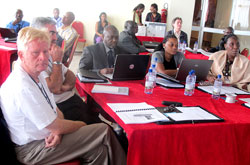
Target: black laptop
(201, 68)
(129, 67)
(9, 35)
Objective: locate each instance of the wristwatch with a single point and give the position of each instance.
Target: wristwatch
(57, 62)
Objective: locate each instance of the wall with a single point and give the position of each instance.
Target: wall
(183, 9)
(118, 11)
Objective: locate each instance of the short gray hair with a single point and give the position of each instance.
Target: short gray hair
(41, 22)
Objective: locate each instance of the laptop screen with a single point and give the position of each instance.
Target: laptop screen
(130, 67)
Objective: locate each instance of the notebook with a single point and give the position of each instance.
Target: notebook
(8, 34)
(129, 67)
(201, 68)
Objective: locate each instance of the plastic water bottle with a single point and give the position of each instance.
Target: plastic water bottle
(189, 86)
(184, 45)
(217, 88)
(154, 73)
(194, 79)
(195, 49)
(149, 84)
(154, 61)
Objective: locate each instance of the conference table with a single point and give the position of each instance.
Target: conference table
(148, 38)
(214, 143)
(8, 53)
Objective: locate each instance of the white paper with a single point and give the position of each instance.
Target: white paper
(129, 106)
(168, 83)
(245, 99)
(192, 113)
(85, 79)
(110, 89)
(224, 90)
(247, 104)
(132, 113)
(7, 48)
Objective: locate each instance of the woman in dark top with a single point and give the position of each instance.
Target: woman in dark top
(99, 27)
(168, 59)
(180, 35)
(138, 13)
(153, 16)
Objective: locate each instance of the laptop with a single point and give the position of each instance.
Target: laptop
(9, 35)
(129, 67)
(201, 68)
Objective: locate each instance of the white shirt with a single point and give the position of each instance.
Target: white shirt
(65, 95)
(25, 108)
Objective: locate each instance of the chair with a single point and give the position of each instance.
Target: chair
(245, 52)
(72, 52)
(78, 26)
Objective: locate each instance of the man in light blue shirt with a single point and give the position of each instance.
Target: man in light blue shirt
(56, 18)
(18, 23)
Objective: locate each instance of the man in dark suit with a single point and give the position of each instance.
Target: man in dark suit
(100, 57)
(128, 40)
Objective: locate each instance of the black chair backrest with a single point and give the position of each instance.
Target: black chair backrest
(7, 147)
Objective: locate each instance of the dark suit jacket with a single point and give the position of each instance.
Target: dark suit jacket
(94, 57)
(183, 36)
(130, 43)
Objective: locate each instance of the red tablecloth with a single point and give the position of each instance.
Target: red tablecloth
(190, 55)
(205, 143)
(6, 50)
(147, 38)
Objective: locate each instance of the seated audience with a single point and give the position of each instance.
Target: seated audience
(100, 57)
(99, 27)
(18, 23)
(153, 16)
(61, 80)
(37, 127)
(180, 35)
(128, 40)
(68, 33)
(227, 31)
(56, 18)
(137, 14)
(168, 59)
(233, 67)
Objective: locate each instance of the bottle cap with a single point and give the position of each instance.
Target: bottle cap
(155, 59)
(190, 73)
(150, 70)
(219, 76)
(153, 65)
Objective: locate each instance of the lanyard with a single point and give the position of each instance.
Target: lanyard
(43, 92)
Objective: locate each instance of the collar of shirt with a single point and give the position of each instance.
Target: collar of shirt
(177, 34)
(107, 49)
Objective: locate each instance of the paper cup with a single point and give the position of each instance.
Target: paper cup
(230, 97)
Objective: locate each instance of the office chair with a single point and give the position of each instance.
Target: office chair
(78, 26)
(72, 52)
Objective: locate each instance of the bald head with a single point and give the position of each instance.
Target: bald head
(131, 27)
(68, 18)
(19, 14)
(111, 36)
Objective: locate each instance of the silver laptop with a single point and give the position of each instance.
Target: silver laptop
(201, 68)
(129, 67)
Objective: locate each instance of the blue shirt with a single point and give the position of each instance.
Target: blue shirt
(58, 22)
(18, 26)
